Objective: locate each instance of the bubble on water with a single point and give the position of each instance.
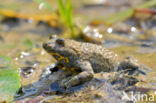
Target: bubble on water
(92, 32)
(133, 29)
(109, 30)
(42, 52)
(34, 65)
(95, 30)
(100, 35)
(87, 28)
(21, 56)
(116, 55)
(41, 6)
(16, 58)
(25, 53)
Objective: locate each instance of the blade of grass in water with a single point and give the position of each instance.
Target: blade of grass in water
(69, 16)
(123, 15)
(65, 10)
(62, 10)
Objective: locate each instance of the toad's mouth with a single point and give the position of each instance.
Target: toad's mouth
(58, 57)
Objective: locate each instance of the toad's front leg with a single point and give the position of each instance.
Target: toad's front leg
(85, 74)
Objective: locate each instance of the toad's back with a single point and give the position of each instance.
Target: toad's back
(100, 58)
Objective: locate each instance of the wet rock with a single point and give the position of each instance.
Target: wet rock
(38, 87)
(91, 34)
(148, 23)
(127, 28)
(147, 81)
(121, 81)
(149, 36)
(117, 80)
(147, 44)
(94, 91)
(130, 65)
(31, 100)
(10, 21)
(105, 87)
(27, 71)
(142, 90)
(30, 62)
(48, 70)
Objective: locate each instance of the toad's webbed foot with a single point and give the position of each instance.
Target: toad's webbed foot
(130, 66)
(85, 75)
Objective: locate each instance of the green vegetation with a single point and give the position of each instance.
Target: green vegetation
(65, 11)
(9, 84)
(123, 15)
(9, 79)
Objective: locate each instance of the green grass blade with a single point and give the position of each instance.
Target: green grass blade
(69, 16)
(123, 15)
(147, 4)
(62, 10)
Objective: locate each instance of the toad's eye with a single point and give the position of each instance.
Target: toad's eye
(60, 41)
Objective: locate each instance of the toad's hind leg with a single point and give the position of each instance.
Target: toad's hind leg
(85, 75)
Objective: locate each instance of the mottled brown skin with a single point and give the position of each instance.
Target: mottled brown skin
(86, 58)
